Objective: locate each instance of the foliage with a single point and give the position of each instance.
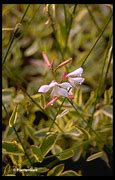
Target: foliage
(70, 128)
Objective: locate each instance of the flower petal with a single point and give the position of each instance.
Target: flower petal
(65, 85)
(44, 89)
(77, 72)
(57, 91)
(73, 81)
(53, 83)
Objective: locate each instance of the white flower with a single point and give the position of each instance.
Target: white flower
(62, 89)
(75, 77)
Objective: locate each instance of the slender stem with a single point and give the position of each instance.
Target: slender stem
(22, 145)
(97, 134)
(24, 13)
(101, 81)
(70, 24)
(56, 114)
(97, 40)
(4, 107)
(43, 110)
(10, 44)
(92, 17)
(66, 22)
(54, 31)
(13, 36)
(58, 111)
(19, 138)
(27, 26)
(16, 77)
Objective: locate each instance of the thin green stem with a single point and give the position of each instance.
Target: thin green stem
(17, 80)
(92, 17)
(101, 81)
(30, 21)
(69, 27)
(13, 36)
(22, 145)
(54, 31)
(97, 39)
(19, 138)
(66, 22)
(4, 107)
(56, 115)
(97, 134)
(24, 13)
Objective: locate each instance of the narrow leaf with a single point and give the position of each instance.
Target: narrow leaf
(94, 156)
(66, 154)
(48, 143)
(13, 117)
(12, 148)
(64, 63)
(37, 153)
(62, 114)
(108, 111)
(70, 173)
(56, 171)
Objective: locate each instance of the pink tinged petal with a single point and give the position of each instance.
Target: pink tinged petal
(44, 89)
(45, 57)
(77, 72)
(63, 63)
(64, 76)
(71, 97)
(51, 103)
(57, 91)
(74, 81)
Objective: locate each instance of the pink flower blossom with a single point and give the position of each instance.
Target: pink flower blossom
(57, 90)
(75, 77)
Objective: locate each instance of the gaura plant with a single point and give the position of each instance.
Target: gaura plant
(63, 89)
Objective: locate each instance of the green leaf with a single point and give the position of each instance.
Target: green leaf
(42, 169)
(62, 114)
(90, 101)
(47, 144)
(36, 97)
(56, 171)
(10, 175)
(6, 170)
(84, 131)
(77, 154)
(108, 96)
(66, 154)
(7, 94)
(94, 156)
(32, 49)
(56, 149)
(41, 133)
(78, 97)
(13, 117)
(19, 98)
(108, 111)
(70, 173)
(12, 148)
(37, 153)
